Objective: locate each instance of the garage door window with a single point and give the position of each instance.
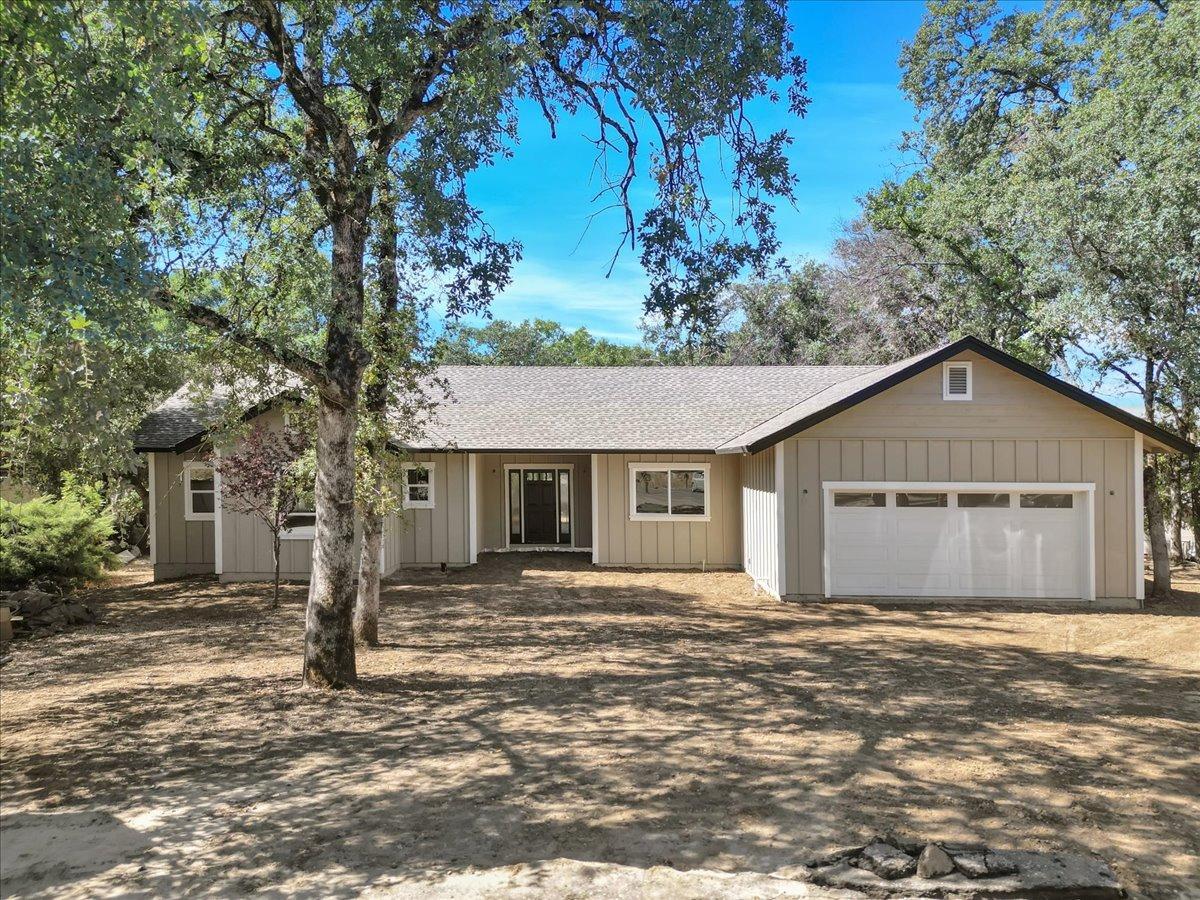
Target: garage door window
(846, 498)
(1046, 501)
(983, 501)
(922, 499)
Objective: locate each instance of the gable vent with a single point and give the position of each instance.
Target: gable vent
(956, 381)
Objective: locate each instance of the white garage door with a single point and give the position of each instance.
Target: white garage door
(965, 541)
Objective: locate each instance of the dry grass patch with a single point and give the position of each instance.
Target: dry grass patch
(536, 708)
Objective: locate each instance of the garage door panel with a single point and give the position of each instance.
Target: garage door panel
(918, 583)
(863, 553)
(862, 524)
(984, 551)
(865, 584)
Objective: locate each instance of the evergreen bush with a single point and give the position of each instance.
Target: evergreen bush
(55, 541)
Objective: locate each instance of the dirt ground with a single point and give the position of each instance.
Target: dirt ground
(535, 709)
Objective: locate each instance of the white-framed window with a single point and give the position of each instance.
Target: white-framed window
(199, 492)
(675, 492)
(301, 525)
(418, 485)
(957, 381)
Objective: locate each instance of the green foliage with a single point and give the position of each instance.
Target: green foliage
(537, 342)
(55, 541)
(812, 315)
(82, 356)
(1057, 205)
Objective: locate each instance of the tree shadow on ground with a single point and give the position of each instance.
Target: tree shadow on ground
(561, 712)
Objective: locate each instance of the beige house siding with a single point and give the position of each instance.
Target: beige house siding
(1004, 405)
(1013, 430)
(430, 537)
(760, 522)
(493, 510)
(180, 547)
(247, 551)
(690, 545)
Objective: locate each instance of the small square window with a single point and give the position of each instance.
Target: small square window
(199, 492)
(301, 525)
(418, 486)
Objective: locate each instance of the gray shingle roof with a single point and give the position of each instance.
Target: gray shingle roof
(729, 409)
(576, 408)
(175, 421)
(647, 408)
(817, 403)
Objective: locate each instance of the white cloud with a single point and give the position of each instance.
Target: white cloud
(577, 294)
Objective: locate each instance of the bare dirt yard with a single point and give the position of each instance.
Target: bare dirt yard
(535, 710)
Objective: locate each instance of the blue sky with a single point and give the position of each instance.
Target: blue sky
(846, 145)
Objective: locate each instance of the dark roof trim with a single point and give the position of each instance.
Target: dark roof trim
(200, 437)
(1000, 358)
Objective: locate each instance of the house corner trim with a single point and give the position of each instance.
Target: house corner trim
(152, 511)
(1139, 517)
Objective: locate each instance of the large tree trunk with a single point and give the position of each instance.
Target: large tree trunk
(1195, 508)
(328, 636)
(1177, 510)
(328, 641)
(366, 607)
(375, 403)
(1161, 586)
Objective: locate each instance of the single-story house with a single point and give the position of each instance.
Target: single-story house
(961, 472)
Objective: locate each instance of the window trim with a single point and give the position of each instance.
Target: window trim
(635, 467)
(431, 468)
(302, 532)
(946, 367)
(188, 467)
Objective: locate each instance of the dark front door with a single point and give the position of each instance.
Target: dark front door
(541, 506)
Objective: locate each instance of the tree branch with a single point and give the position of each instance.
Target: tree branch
(217, 322)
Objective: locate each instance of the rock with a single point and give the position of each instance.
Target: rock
(1030, 876)
(128, 555)
(973, 865)
(31, 601)
(77, 613)
(1000, 864)
(48, 615)
(934, 862)
(886, 861)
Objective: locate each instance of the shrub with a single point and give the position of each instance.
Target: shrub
(59, 541)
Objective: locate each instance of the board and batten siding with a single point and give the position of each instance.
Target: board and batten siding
(493, 509)
(180, 547)
(760, 520)
(1014, 430)
(246, 554)
(716, 543)
(430, 537)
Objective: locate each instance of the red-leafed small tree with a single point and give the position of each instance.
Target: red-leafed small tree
(266, 476)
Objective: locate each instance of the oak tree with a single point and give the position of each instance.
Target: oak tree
(224, 131)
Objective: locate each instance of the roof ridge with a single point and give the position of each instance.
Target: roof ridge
(654, 367)
(867, 370)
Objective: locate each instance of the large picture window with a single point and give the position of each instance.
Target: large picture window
(675, 492)
(199, 492)
(418, 485)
